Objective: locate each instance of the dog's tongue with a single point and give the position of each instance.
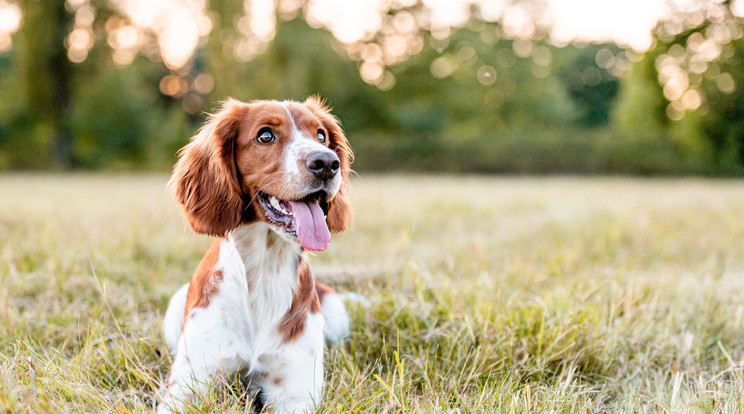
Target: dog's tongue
(312, 229)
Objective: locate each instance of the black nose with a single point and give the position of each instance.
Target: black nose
(322, 164)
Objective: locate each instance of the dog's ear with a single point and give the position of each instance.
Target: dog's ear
(339, 217)
(205, 180)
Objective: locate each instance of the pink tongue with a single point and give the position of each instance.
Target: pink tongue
(312, 229)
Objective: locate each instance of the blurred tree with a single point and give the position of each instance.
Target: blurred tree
(44, 73)
(723, 122)
(302, 61)
(413, 95)
(591, 87)
(120, 135)
(641, 107)
(219, 53)
(690, 78)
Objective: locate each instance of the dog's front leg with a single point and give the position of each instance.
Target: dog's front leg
(292, 380)
(201, 357)
(183, 383)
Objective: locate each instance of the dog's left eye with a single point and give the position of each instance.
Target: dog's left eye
(321, 136)
(266, 136)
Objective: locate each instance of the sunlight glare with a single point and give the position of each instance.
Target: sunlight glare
(180, 25)
(262, 20)
(85, 15)
(126, 37)
(448, 13)
(517, 22)
(177, 24)
(628, 22)
(179, 38)
(491, 10)
(738, 8)
(348, 20)
(10, 18)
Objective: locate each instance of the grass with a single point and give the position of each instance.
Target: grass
(561, 295)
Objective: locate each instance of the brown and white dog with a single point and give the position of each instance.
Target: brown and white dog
(268, 180)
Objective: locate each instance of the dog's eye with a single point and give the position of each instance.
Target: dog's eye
(266, 136)
(321, 136)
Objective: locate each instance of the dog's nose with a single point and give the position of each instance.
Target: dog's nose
(323, 164)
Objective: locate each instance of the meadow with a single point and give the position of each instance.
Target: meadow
(482, 295)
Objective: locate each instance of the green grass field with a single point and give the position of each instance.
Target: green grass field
(485, 295)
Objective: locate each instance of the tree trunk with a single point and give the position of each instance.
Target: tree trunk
(47, 72)
(61, 71)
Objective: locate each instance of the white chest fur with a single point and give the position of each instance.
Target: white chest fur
(238, 330)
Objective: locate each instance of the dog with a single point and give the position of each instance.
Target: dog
(269, 181)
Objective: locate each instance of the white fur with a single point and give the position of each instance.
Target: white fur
(299, 148)
(237, 331)
(336, 318)
(173, 319)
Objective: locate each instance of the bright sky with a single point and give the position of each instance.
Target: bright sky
(627, 22)
(182, 24)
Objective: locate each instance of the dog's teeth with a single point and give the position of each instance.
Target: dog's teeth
(277, 205)
(274, 203)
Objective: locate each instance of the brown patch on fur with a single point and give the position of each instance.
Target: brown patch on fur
(304, 301)
(205, 180)
(261, 165)
(339, 217)
(278, 380)
(323, 290)
(219, 172)
(204, 283)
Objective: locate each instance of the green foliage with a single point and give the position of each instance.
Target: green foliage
(723, 125)
(641, 105)
(707, 136)
(592, 88)
(472, 102)
(118, 134)
(134, 131)
(44, 73)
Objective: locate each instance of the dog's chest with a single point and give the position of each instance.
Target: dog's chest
(260, 277)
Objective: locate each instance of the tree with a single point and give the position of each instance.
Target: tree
(45, 72)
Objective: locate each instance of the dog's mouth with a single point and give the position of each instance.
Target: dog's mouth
(304, 219)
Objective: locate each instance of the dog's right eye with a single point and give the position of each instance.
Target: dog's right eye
(266, 136)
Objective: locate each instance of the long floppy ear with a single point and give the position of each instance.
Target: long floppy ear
(339, 217)
(205, 179)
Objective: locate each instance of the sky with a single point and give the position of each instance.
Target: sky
(626, 22)
(181, 24)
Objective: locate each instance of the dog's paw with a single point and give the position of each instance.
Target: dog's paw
(336, 319)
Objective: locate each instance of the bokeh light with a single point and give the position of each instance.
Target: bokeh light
(486, 75)
(380, 34)
(10, 21)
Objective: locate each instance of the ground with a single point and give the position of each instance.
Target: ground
(482, 295)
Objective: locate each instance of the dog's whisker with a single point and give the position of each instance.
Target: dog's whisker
(349, 170)
(262, 187)
(260, 190)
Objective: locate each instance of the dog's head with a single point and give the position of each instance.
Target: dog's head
(284, 163)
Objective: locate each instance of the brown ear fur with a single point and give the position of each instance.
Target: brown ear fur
(339, 217)
(205, 180)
